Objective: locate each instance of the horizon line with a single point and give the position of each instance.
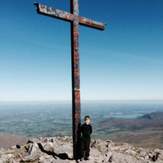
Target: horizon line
(84, 100)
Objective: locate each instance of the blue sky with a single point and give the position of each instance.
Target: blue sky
(125, 62)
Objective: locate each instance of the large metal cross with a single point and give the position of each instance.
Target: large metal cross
(75, 20)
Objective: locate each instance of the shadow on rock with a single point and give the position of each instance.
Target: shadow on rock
(63, 156)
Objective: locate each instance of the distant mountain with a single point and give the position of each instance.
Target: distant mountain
(146, 130)
(152, 120)
(153, 116)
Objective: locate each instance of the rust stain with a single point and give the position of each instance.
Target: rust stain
(49, 11)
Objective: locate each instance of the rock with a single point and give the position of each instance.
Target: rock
(59, 150)
(8, 158)
(46, 159)
(49, 146)
(33, 153)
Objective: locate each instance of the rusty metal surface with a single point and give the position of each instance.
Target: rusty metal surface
(63, 15)
(90, 23)
(75, 77)
(49, 11)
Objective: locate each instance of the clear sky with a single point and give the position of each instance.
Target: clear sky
(123, 62)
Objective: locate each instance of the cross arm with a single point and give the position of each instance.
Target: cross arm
(59, 14)
(91, 23)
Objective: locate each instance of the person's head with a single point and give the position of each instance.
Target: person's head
(87, 119)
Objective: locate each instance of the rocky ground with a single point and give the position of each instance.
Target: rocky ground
(59, 150)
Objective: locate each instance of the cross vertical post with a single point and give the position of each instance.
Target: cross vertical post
(75, 77)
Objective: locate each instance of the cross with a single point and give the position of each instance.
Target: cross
(74, 19)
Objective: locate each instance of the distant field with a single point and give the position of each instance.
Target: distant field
(130, 122)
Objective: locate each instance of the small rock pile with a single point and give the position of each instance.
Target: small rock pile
(59, 150)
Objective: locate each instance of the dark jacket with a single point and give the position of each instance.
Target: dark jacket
(86, 131)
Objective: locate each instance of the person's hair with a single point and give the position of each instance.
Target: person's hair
(87, 117)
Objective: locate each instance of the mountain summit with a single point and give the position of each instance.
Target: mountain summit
(59, 150)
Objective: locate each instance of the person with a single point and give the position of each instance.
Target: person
(86, 131)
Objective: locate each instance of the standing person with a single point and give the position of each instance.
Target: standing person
(86, 131)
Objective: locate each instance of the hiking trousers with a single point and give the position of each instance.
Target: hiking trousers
(85, 146)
